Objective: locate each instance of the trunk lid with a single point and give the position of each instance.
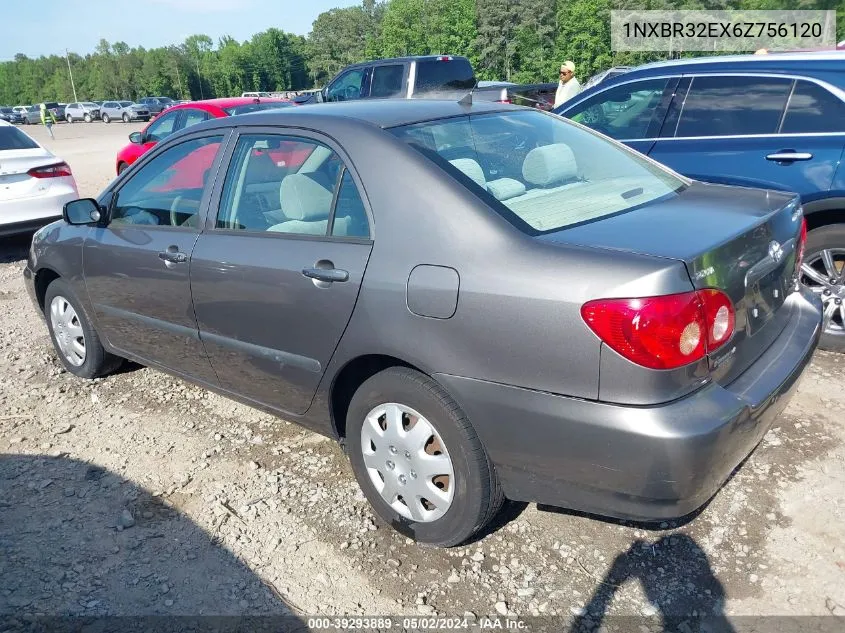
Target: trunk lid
(741, 241)
(15, 182)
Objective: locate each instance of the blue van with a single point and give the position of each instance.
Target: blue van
(774, 121)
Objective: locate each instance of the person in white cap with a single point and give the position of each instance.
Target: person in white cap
(568, 86)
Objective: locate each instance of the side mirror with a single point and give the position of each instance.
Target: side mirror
(82, 211)
(323, 95)
(136, 138)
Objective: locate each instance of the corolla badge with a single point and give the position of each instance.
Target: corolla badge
(775, 251)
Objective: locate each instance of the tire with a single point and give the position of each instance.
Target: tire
(106, 118)
(476, 495)
(87, 118)
(125, 118)
(121, 168)
(829, 238)
(69, 118)
(64, 313)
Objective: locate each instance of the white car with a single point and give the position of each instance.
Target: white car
(34, 184)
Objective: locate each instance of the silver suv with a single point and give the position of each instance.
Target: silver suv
(82, 111)
(126, 110)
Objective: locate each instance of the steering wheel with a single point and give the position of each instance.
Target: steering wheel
(351, 92)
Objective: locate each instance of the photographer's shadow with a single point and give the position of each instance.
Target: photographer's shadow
(678, 581)
(79, 543)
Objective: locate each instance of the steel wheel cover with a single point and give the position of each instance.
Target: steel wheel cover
(67, 331)
(407, 461)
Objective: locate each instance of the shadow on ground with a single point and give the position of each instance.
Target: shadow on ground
(83, 544)
(14, 248)
(675, 574)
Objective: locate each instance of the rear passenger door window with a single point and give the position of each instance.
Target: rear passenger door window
(629, 111)
(387, 81)
(813, 109)
(193, 116)
(290, 185)
(733, 106)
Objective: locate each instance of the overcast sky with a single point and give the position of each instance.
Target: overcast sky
(42, 28)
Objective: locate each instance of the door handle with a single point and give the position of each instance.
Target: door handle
(173, 256)
(788, 156)
(328, 275)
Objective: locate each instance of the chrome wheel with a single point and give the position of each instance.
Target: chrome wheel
(824, 274)
(67, 331)
(407, 462)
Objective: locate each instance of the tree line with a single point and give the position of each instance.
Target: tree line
(516, 40)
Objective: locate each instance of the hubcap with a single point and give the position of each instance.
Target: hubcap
(67, 331)
(824, 274)
(407, 462)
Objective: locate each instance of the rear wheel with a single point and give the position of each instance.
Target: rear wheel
(823, 272)
(125, 118)
(76, 342)
(106, 118)
(418, 459)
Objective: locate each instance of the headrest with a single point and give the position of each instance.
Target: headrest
(550, 164)
(471, 170)
(301, 198)
(505, 188)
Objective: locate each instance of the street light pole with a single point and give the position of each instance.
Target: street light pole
(70, 72)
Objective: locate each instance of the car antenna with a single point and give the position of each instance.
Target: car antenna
(466, 100)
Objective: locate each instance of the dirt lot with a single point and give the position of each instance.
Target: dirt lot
(141, 494)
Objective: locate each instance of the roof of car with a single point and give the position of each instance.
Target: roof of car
(383, 113)
(400, 60)
(753, 60)
(227, 102)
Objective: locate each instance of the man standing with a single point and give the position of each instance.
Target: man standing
(47, 119)
(568, 86)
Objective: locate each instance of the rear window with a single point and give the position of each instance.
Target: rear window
(254, 107)
(813, 109)
(435, 75)
(730, 106)
(13, 138)
(539, 171)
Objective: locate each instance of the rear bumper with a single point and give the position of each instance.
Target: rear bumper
(642, 463)
(27, 226)
(28, 214)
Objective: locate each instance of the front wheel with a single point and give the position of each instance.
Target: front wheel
(87, 118)
(106, 118)
(69, 118)
(418, 459)
(125, 118)
(823, 272)
(121, 168)
(76, 342)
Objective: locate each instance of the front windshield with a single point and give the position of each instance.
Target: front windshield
(541, 172)
(125, 104)
(88, 104)
(165, 100)
(255, 107)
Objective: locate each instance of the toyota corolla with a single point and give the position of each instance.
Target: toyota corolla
(478, 301)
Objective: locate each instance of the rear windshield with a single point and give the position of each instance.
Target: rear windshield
(435, 75)
(540, 172)
(13, 138)
(254, 107)
(89, 104)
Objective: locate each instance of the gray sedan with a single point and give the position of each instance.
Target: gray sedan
(125, 111)
(478, 301)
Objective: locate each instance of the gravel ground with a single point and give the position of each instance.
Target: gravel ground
(142, 494)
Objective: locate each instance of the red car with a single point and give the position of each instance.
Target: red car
(184, 115)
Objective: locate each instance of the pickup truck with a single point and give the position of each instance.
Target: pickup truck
(428, 76)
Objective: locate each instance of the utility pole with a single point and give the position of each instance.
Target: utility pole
(70, 72)
(179, 81)
(199, 75)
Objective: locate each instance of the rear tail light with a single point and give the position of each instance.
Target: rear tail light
(50, 171)
(801, 247)
(663, 332)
